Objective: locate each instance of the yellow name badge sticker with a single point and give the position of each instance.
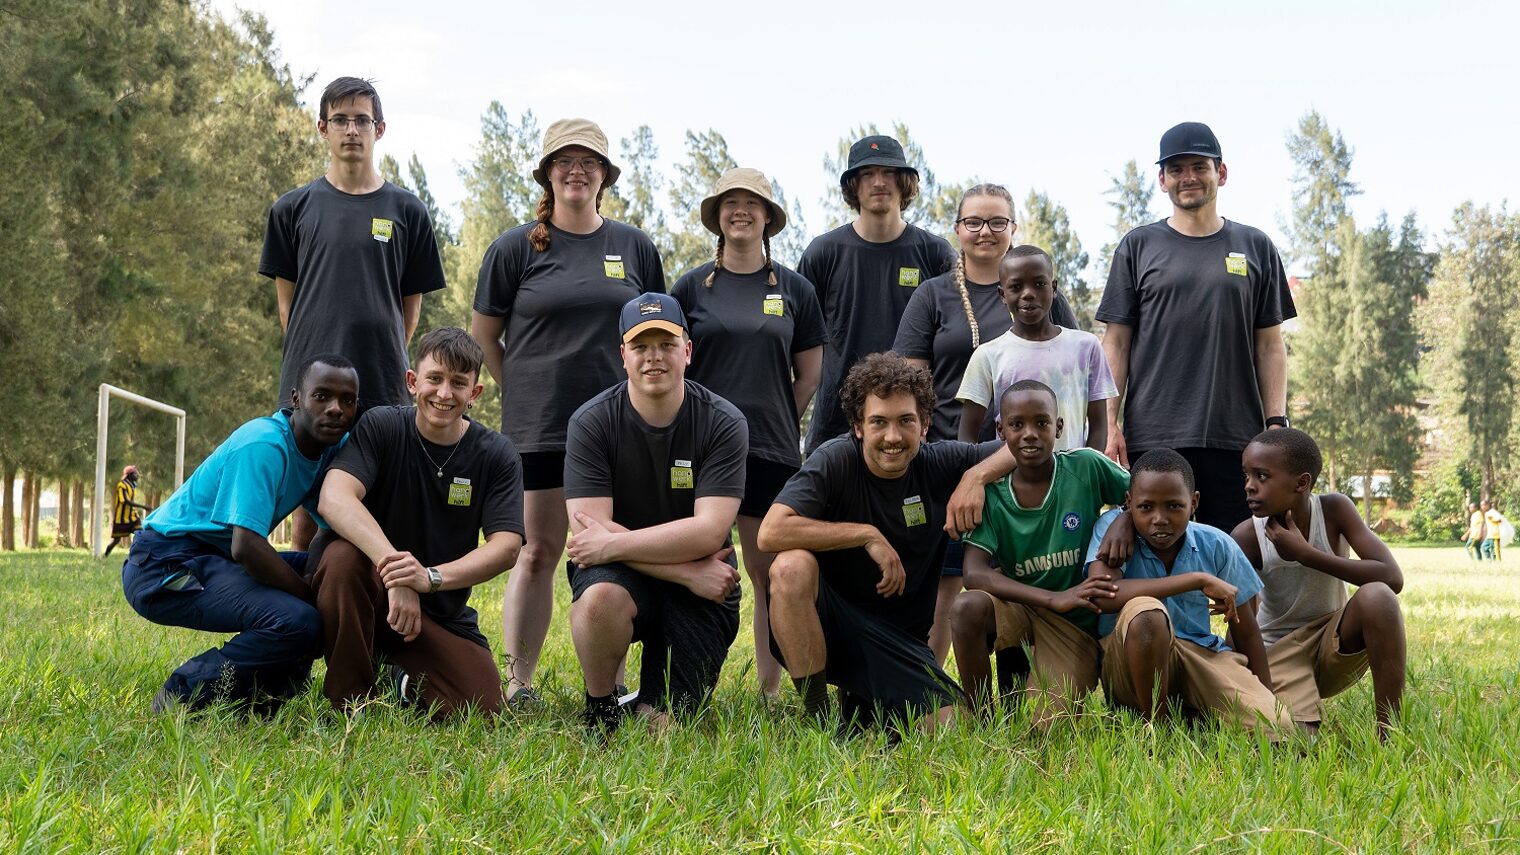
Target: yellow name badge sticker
(459, 492)
(681, 477)
(1235, 263)
(773, 305)
(381, 230)
(913, 511)
(907, 277)
(614, 267)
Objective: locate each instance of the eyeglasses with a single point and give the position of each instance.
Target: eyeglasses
(363, 123)
(570, 164)
(974, 224)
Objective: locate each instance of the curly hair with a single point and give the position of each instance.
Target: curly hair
(907, 188)
(885, 375)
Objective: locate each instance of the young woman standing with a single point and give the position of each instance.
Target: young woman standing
(758, 338)
(546, 314)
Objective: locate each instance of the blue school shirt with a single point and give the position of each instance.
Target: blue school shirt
(254, 479)
(1205, 549)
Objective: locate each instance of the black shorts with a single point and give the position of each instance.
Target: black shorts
(685, 637)
(763, 480)
(955, 558)
(1221, 486)
(883, 672)
(543, 470)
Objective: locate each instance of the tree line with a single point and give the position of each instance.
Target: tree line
(148, 139)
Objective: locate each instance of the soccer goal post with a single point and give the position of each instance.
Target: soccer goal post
(100, 510)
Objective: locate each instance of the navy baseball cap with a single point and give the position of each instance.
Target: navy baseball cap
(1189, 138)
(651, 311)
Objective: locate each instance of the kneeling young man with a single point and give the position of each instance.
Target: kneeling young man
(1160, 646)
(860, 542)
(203, 560)
(409, 497)
(654, 473)
(1037, 522)
(1319, 641)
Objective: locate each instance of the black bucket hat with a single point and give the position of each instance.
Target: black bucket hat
(875, 151)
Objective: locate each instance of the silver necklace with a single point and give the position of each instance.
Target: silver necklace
(436, 464)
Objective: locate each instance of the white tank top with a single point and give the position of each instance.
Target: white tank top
(1294, 595)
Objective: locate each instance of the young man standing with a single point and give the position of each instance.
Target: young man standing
(860, 539)
(410, 496)
(351, 256)
(125, 519)
(1194, 306)
(203, 560)
(654, 474)
(865, 271)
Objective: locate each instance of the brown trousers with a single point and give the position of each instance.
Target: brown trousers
(449, 671)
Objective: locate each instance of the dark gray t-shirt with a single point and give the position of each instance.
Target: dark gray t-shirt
(655, 474)
(934, 327)
(863, 288)
(436, 519)
(561, 308)
(834, 485)
(352, 258)
(1195, 305)
(744, 332)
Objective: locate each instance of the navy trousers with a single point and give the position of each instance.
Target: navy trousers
(182, 581)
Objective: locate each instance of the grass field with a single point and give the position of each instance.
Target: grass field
(85, 767)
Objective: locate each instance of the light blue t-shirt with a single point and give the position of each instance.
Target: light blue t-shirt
(1205, 549)
(254, 479)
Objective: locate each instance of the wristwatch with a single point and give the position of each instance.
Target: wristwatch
(435, 578)
(1277, 421)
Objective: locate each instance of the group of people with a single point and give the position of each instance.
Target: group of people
(964, 442)
(1484, 537)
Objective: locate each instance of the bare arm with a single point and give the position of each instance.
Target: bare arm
(688, 539)
(783, 528)
(1271, 370)
(487, 331)
(1246, 636)
(284, 295)
(707, 575)
(1097, 425)
(342, 506)
(1374, 561)
(1117, 339)
(252, 551)
(807, 370)
(411, 310)
(918, 363)
(980, 576)
(972, 416)
(964, 512)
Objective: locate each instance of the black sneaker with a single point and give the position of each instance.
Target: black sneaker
(603, 715)
(525, 701)
(164, 702)
(399, 685)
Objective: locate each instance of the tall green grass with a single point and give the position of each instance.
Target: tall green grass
(85, 767)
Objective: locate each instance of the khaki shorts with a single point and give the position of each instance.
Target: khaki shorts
(1217, 681)
(1065, 662)
(1308, 666)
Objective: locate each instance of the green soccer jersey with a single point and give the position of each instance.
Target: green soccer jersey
(1044, 546)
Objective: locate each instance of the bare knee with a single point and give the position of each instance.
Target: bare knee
(794, 576)
(971, 613)
(604, 605)
(1149, 632)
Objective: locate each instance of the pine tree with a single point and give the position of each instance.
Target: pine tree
(1044, 224)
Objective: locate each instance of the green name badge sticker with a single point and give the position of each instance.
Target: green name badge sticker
(907, 277)
(913, 511)
(459, 492)
(381, 230)
(1235, 263)
(773, 305)
(613, 266)
(681, 477)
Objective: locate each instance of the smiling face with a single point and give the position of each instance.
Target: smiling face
(442, 394)
(656, 362)
(1029, 424)
(576, 174)
(890, 432)
(1160, 505)
(1192, 181)
(1271, 489)
(1028, 287)
(742, 216)
(324, 405)
(349, 143)
(985, 245)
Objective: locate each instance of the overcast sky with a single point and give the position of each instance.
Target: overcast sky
(1055, 97)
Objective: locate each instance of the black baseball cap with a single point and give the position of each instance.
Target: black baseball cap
(876, 151)
(651, 311)
(1189, 138)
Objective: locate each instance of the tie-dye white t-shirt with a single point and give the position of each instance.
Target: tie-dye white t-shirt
(1071, 364)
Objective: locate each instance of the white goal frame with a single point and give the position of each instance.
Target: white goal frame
(99, 510)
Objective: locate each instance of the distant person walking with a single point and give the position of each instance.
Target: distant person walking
(1493, 534)
(1474, 535)
(546, 315)
(758, 341)
(125, 519)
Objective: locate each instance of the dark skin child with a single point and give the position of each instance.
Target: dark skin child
(1027, 287)
(1372, 621)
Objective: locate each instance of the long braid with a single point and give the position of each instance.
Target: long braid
(770, 269)
(717, 264)
(960, 284)
(539, 237)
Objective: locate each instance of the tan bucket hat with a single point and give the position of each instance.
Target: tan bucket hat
(568, 132)
(743, 178)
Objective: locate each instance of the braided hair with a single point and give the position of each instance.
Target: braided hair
(539, 237)
(984, 189)
(770, 269)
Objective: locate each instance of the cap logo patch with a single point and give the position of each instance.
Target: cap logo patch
(875, 147)
(649, 308)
